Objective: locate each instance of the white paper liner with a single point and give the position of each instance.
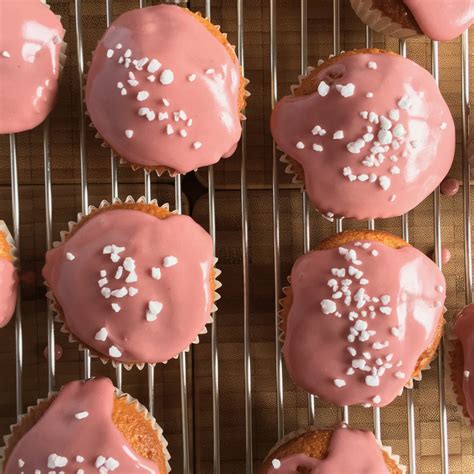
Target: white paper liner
(118, 393)
(379, 22)
(281, 337)
(58, 313)
(295, 434)
(451, 396)
(161, 170)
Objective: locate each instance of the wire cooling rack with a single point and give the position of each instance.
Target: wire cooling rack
(187, 453)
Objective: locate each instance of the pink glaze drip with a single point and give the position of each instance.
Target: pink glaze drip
(30, 41)
(349, 451)
(464, 330)
(317, 348)
(8, 291)
(339, 181)
(450, 187)
(442, 20)
(183, 289)
(183, 45)
(59, 432)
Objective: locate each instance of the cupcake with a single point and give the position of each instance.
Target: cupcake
(8, 276)
(440, 20)
(87, 427)
(332, 450)
(368, 134)
(31, 56)
(362, 318)
(461, 362)
(165, 90)
(133, 282)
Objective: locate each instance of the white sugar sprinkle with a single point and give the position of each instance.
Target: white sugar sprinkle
(143, 95)
(372, 65)
(123, 91)
(81, 415)
(276, 463)
(153, 66)
(70, 256)
(142, 111)
(155, 307)
(21, 463)
(399, 375)
(151, 78)
(169, 129)
(155, 273)
(129, 133)
(440, 289)
(443, 126)
(300, 145)
(467, 373)
(377, 399)
(150, 116)
(114, 352)
(100, 461)
(170, 261)
(328, 306)
(339, 135)
(167, 77)
(210, 71)
(110, 53)
(118, 46)
(197, 145)
(183, 133)
(339, 382)
(323, 89)
(369, 95)
(317, 147)
(128, 53)
(79, 459)
(132, 291)
(111, 464)
(116, 307)
(192, 77)
(101, 335)
(56, 461)
(347, 90)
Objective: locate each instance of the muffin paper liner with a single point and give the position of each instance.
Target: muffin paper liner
(379, 22)
(285, 308)
(452, 389)
(58, 312)
(34, 413)
(159, 169)
(295, 434)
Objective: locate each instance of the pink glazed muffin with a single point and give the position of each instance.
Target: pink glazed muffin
(462, 362)
(331, 450)
(362, 318)
(31, 56)
(165, 90)
(133, 282)
(440, 20)
(87, 427)
(8, 276)
(367, 133)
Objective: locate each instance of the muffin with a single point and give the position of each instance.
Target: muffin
(8, 276)
(31, 56)
(165, 90)
(87, 427)
(368, 134)
(461, 362)
(339, 449)
(362, 318)
(440, 20)
(133, 282)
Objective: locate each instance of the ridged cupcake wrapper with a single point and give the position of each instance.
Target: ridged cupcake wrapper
(58, 312)
(161, 170)
(33, 413)
(452, 389)
(295, 434)
(285, 308)
(379, 22)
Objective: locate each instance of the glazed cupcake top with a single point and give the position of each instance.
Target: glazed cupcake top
(371, 131)
(464, 330)
(361, 316)
(349, 450)
(8, 278)
(132, 286)
(163, 89)
(30, 42)
(442, 20)
(77, 434)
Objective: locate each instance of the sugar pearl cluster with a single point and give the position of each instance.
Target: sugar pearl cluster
(369, 352)
(122, 282)
(383, 146)
(142, 80)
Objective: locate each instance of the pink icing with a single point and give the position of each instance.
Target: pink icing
(442, 20)
(8, 291)
(363, 179)
(450, 187)
(362, 315)
(59, 432)
(205, 88)
(174, 298)
(30, 41)
(464, 330)
(349, 451)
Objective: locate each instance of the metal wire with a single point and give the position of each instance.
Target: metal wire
(48, 206)
(245, 263)
(82, 142)
(276, 226)
(16, 236)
